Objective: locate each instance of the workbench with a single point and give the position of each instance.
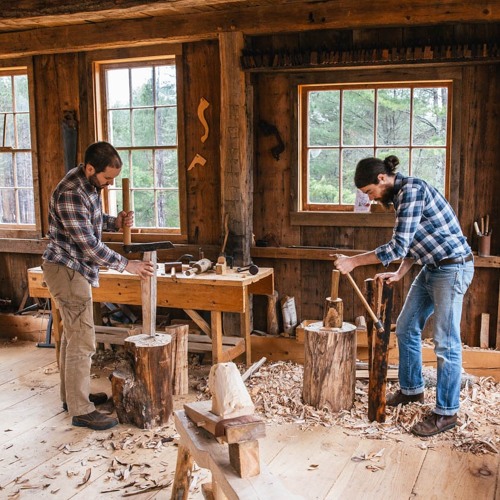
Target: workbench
(216, 293)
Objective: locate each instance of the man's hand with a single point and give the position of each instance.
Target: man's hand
(124, 219)
(389, 278)
(142, 268)
(344, 264)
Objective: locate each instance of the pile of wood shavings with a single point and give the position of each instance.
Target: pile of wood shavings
(276, 391)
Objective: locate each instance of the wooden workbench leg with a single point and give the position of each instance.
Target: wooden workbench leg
(216, 327)
(183, 469)
(245, 328)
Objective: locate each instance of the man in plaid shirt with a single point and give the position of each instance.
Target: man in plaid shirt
(426, 231)
(71, 267)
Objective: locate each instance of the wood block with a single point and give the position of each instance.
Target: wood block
(484, 335)
(230, 397)
(230, 431)
(244, 458)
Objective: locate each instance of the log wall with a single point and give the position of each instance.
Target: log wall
(64, 81)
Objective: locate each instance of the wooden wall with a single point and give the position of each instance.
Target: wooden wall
(475, 172)
(64, 81)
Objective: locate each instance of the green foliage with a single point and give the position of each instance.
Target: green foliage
(345, 126)
(150, 124)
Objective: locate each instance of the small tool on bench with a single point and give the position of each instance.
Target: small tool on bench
(199, 267)
(251, 268)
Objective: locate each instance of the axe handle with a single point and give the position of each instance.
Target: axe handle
(378, 323)
(127, 230)
(334, 294)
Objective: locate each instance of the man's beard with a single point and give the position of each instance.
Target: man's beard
(387, 197)
(95, 182)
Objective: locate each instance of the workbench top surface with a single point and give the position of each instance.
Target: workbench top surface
(230, 278)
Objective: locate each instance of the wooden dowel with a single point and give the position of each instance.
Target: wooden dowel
(334, 293)
(127, 233)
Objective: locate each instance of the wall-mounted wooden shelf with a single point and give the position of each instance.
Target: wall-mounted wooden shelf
(326, 253)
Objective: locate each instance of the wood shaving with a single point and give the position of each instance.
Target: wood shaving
(276, 390)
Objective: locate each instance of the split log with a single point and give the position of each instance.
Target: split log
(378, 373)
(142, 385)
(272, 314)
(179, 366)
(370, 298)
(329, 366)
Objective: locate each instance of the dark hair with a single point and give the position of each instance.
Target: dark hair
(368, 169)
(101, 155)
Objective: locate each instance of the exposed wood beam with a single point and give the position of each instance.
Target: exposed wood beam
(294, 16)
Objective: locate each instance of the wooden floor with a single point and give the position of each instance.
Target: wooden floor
(44, 456)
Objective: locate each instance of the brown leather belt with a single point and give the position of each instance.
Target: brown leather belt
(454, 260)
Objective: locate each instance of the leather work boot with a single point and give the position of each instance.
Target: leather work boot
(434, 424)
(99, 398)
(398, 398)
(95, 421)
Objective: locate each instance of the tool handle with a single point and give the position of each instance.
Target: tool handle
(487, 225)
(334, 293)
(127, 230)
(476, 227)
(378, 323)
(482, 225)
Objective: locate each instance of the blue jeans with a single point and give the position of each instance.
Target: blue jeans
(438, 290)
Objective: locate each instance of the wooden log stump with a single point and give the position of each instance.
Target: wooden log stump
(142, 385)
(380, 354)
(329, 366)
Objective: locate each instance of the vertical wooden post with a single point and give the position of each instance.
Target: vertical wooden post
(149, 297)
(236, 155)
(378, 372)
(370, 296)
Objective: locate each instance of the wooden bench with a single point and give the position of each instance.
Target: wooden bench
(200, 446)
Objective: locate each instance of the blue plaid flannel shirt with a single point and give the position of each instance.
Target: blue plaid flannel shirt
(426, 227)
(76, 222)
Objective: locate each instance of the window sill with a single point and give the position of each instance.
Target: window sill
(352, 219)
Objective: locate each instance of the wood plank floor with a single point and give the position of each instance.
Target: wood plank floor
(43, 456)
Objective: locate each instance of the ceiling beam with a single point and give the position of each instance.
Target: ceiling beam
(338, 14)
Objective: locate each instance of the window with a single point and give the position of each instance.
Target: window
(140, 119)
(341, 124)
(17, 207)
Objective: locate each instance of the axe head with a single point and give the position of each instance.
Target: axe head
(147, 247)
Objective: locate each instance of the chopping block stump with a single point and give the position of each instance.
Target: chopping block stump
(329, 366)
(142, 383)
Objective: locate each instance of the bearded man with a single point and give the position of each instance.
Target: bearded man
(426, 232)
(71, 267)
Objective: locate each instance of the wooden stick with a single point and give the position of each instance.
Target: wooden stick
(253, 369)
(482, 225)
(127, 233)
(334, 294)
(487, 225)
(378, 323)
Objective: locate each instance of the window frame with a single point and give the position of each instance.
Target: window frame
(366, 75)
(9, 230)
(177, 235)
